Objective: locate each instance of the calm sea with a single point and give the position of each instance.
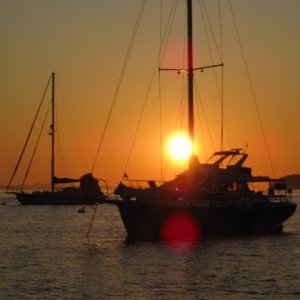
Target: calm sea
(44, 254)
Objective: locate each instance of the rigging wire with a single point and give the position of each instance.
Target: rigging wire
(222, 78)
(35, 147)
(221, 31)
(121, 76)
(179, 118)
(204, 115)
(159, 94)
(64, 166)
(104, 217)
(75, 140)
(202, 130)
(115, 96)
(181, 109)
(220, 91)
(169, 27)
(165, 38)
(58, 149)
(182, 105)
(252, 89)
(203, 8)
(29, 134)
(92, 221)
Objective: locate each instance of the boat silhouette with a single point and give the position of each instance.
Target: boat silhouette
(88, 191)
(209, 199)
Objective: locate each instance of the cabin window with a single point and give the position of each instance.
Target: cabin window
(238, 186)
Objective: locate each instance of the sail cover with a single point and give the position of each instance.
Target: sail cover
(57, 180)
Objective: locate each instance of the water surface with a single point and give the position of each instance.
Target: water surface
(44, 254)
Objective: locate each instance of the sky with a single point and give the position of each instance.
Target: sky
(85, 43)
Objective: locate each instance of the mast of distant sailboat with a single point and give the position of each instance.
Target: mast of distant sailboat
(52, 131)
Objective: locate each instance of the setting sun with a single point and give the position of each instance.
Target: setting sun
(180, 147)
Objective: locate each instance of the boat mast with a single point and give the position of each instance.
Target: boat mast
(52, 129)
(190, 72)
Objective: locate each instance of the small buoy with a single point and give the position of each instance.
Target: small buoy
(81, 210)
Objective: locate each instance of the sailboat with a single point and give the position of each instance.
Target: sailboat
(88, 191)
(209, 199)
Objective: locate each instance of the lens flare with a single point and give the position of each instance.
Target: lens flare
(181, 232)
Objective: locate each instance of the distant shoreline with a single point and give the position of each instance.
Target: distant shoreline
(292, 182)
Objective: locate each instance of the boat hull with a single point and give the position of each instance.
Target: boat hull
(48, 198)
(144, 221)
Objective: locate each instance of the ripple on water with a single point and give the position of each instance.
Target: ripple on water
(45, 255)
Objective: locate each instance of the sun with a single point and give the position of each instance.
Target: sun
(180, 147)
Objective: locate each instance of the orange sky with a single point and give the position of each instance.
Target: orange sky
(85, 43)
